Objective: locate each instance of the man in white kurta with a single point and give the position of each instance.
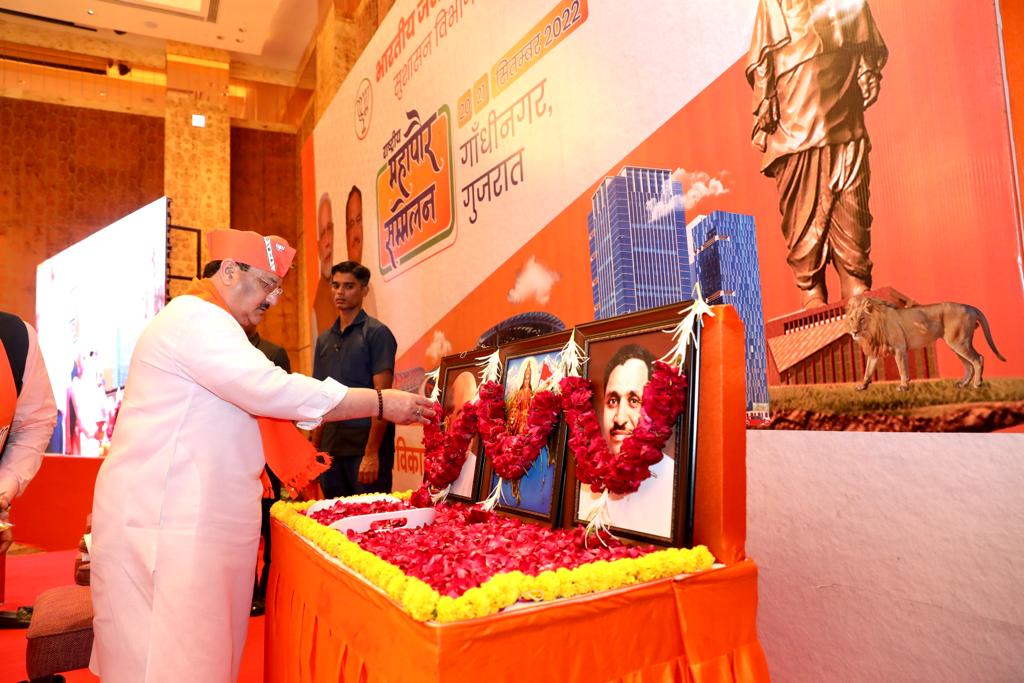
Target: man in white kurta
(27, 413)
(176, 517)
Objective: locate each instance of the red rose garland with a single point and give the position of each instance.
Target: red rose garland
(663, 400)
(421, 497)
(513, 454)
(445, 451)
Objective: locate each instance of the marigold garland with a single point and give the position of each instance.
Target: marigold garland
(663, 400)
(423, 603)
(513, 454)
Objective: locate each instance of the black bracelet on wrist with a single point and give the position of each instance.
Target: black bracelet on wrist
(380, 405)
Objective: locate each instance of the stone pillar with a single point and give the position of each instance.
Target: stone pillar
(346, 29)
(197, 160)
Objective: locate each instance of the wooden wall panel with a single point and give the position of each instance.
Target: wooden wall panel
(66, 172)
(265, 198)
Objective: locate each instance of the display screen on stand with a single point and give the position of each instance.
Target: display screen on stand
(92, 302)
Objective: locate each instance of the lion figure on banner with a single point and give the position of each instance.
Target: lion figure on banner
(885, 329)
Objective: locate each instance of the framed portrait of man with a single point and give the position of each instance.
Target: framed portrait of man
(459, 377)
(528, 367)
(620, 355)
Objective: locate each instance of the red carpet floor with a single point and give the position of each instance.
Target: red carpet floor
(30, 575)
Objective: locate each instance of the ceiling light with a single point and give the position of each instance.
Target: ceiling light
(90, 12)
(198, 120)
(103, 93)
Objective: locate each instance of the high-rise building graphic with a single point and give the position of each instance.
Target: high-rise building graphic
(643, 254)
(725, 252)
(638, 253)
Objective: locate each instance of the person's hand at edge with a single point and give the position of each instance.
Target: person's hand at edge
(402, 407)
(369, 468)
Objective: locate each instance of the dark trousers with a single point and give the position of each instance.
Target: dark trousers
(260, 588)
(342, 479)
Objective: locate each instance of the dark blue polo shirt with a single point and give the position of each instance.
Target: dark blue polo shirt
(353, 357)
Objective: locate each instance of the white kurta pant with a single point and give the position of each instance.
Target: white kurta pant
(176, 514)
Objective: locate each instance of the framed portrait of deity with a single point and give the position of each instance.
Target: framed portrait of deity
(529, 369)
(459, 378)
(620, 361)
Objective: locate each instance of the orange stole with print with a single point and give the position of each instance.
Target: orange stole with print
(292, 458)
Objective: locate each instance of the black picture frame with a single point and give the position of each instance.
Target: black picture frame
(455, 389)
(183, 243)
(544, 496)
(653, 521)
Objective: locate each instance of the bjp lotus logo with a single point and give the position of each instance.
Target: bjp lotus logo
(364, 108)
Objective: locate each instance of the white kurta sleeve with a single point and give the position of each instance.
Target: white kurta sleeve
(34, 417)
(215, 353)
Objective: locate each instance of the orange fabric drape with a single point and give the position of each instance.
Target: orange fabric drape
(325, 624)
(720, 505)
(718, 616)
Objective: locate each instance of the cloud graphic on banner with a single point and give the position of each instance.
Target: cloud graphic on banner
(533, 280)
(439, 347)
(697, 185)
(841, 10)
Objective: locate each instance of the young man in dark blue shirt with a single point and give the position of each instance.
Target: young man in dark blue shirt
(358, 351)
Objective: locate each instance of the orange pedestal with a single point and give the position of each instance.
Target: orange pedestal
(52, 512)
(325, 624)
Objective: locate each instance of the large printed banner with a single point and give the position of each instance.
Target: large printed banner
(839, 170)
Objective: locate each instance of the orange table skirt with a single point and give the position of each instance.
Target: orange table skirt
(324, 624)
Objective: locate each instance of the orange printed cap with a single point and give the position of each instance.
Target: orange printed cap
(272, 253)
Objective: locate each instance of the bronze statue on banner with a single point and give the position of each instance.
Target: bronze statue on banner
(815, 67)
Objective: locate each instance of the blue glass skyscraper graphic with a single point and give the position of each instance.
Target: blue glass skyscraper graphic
(725, 252)
(642, 255)
(638, 252)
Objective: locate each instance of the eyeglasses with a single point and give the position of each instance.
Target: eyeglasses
(269, 286)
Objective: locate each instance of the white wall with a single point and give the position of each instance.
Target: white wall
(888, 557)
